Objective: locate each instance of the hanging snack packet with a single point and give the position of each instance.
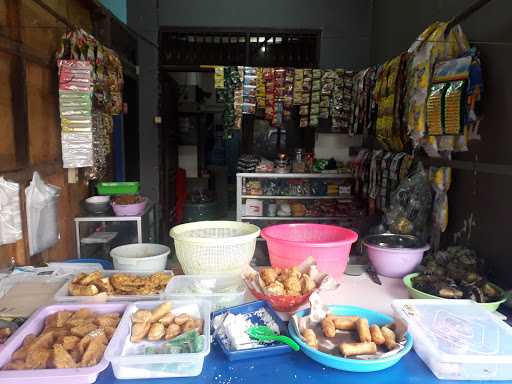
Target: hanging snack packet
(219, 77)
(260, 89)
(435, 108)
(454, 108)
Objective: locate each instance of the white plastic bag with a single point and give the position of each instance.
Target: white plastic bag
(10, 214)
(42, 214)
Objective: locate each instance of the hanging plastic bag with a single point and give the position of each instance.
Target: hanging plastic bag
(42, 214)
(10, 215)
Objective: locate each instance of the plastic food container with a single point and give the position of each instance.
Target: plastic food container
(140, 257)
(352, 365)
(395, 255)
(215, 247)
(140, 366)
(62, 295)
(118, 188)
(415, 294)
(458, 339)
(49, 376)
(220, 291)
(129, 209)
(252, 353)
(291, 244)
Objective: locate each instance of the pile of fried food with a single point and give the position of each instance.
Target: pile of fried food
(128, 199)
(370, 336)
(5, 333)
(160, 324)
(94, 284)
(69, 340)
(286, 282)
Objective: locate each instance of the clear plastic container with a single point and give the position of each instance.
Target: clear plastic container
(458, 339)
(222, 291)
(128, 362)
(49, 376)
(62, 295)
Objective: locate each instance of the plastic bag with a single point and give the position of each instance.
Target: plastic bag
(10, 215)
(42, 214)
(410, 206)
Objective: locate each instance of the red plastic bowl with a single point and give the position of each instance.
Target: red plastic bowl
(283, 303)
(291, 244)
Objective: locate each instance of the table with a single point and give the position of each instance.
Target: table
(295, 367)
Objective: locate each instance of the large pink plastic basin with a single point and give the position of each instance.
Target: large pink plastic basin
(395, 262)
(291, 244)
(35, 325)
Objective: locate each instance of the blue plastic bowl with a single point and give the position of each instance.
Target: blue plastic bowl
(104, 263)
(352, 365)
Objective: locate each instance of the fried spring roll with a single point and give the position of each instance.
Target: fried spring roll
(310, 337)
(389, 337)
(328, 327)
(363, 330)
(353, 349)
(344, 323)
(376, 334)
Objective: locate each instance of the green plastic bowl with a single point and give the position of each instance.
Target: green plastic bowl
(415, 294)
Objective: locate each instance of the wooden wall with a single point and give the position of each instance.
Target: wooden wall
(29, 122)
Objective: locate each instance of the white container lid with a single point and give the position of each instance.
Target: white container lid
(458, 331)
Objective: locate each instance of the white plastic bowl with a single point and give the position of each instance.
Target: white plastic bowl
(140, 257)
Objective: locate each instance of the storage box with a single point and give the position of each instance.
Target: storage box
(220, 291)
(129, 365)
(49, 376)
(458, 339)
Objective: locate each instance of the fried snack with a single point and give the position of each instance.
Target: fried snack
(41, 342)
(328, 328)
(82, 313)
(294, 272)
(182, 319)
(344, 323)
(93, 353)
(109, 331)
(389, 338)
(68, 342)
(56, 331)
(106, 321)
(21, 353)
(353, 349)
(292, 286)
(61, 357)
(78, 278)
(376, 334)
(310, 338)
(307, 284)
(83, 330)
(37, 358)
(156, 332)
(160, 311)
(198, 325)
(268, 275)
(188, 326)
(104, 285)
(15, 365)
(276, 289)
(96, 275)
(139, 331)
(141, 316)
(167, 319)
(363, 330)
(172, 331)
(79, 322)
(159, 279)
(114, 315)
(83, 290)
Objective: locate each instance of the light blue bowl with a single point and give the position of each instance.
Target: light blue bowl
(352, 365)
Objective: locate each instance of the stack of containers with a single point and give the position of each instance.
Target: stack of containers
(75, 92)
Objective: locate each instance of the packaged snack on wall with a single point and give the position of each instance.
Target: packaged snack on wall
(435, 108)
(219, 77)
(454, 108)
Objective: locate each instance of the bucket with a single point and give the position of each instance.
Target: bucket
(291, 244)
(140, 257)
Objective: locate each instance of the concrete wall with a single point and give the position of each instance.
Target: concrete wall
(485, 196)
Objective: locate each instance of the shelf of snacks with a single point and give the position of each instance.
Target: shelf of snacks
(256, 175)
(345, 199)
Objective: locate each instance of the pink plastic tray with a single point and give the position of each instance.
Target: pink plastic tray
(49, 376)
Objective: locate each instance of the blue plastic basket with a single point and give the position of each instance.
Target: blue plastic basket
(352, 365)
(104, 263)
(251, 353)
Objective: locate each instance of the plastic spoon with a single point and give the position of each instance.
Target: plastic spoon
(264, 333)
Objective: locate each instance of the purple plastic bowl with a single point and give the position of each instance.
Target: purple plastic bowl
(129, 209)
(393, 262)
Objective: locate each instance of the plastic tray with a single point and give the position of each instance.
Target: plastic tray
(186, 287)
(352, 365)
(62, 294)
(459, 339)
(251, 353)
(118, 188)
(49, 376)
(137, 366)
